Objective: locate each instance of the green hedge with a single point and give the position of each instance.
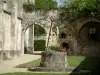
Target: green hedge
(55, 48)
(39, 45)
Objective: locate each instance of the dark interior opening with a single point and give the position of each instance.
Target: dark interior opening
(63, 35)
(90, 32)
(89, 39)
(65, 45)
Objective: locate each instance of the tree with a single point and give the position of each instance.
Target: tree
(80, 8)
(84, 7)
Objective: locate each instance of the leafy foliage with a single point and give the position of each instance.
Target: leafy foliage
(38, 30)
(39, 4)
(55, 48)
(84, 7)
(81, 8)
(45, 4)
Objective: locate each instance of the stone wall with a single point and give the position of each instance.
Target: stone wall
(42, 18)
(73, 37)
(11, 28)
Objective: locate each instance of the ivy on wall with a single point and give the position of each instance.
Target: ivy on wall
(29, 6)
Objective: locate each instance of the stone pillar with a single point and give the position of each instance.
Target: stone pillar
(33, 38)
(7, 34)
(26, 38)
(15, 15)
(18, 39)
(47, 34)
(30, 40)
(1, 33)
(22, 42)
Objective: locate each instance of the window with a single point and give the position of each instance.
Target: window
(92, 34)
(92, 30)
(63, 35)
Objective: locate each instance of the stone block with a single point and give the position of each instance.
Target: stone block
(54, 60)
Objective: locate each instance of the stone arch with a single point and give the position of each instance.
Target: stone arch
(42, 27)
(89, 38)
(28, 25)
(80, 25)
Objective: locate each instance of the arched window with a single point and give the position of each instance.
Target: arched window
(92, 30)
(63, 35)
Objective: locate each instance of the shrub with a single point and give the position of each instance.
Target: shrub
(39, 45)
(55, 48)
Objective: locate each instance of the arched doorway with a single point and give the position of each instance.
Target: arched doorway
(89, 39)
(39, 38)
(35, 38)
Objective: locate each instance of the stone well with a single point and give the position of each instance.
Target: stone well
(52, 62)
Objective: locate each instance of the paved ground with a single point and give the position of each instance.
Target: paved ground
(8, 65)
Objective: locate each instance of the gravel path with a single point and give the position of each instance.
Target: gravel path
(9, 65)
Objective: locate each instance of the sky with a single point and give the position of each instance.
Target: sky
(59, 3)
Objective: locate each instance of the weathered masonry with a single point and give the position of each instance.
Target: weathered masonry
(83, 36)
(41, 17)
(17, 30)
(11, 28)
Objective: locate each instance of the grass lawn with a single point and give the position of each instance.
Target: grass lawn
(73, 61)
(29, 64)
(79, 62)
(27, 73)
(20, 73)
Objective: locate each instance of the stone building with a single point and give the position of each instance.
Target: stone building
(83, 36)
(10, 28)
(17, 28)
(42, 17)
